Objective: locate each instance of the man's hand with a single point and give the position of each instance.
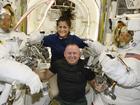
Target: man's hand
(100, 87)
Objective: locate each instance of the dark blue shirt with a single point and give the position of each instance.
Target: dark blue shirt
(58, 45)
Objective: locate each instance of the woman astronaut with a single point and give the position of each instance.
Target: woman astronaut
(11, 70)
(122, 66)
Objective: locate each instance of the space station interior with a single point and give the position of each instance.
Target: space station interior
(94, 20)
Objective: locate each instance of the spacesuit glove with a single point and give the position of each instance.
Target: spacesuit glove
(35, 37)
(96, 46)
(34, 84)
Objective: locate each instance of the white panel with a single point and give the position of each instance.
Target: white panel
(134, 24)
(86, 23)
(133, 4)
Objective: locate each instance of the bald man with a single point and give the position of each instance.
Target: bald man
(72, 77)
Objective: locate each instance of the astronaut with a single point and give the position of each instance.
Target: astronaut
(122, 66)
(12, 71)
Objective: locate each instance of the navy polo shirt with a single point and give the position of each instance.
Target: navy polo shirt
(58, 45)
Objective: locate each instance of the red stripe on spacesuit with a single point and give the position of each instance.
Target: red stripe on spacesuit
(132, 55)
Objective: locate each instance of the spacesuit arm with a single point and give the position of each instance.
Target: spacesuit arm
(96, 46)
(11, 70)
(117, 71)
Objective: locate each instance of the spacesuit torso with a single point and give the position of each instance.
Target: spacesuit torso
(127, 90)
(8, 45)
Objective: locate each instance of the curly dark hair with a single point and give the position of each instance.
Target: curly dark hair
(67, 16)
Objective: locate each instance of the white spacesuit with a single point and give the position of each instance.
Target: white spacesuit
(12, 71)
(122, 67)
